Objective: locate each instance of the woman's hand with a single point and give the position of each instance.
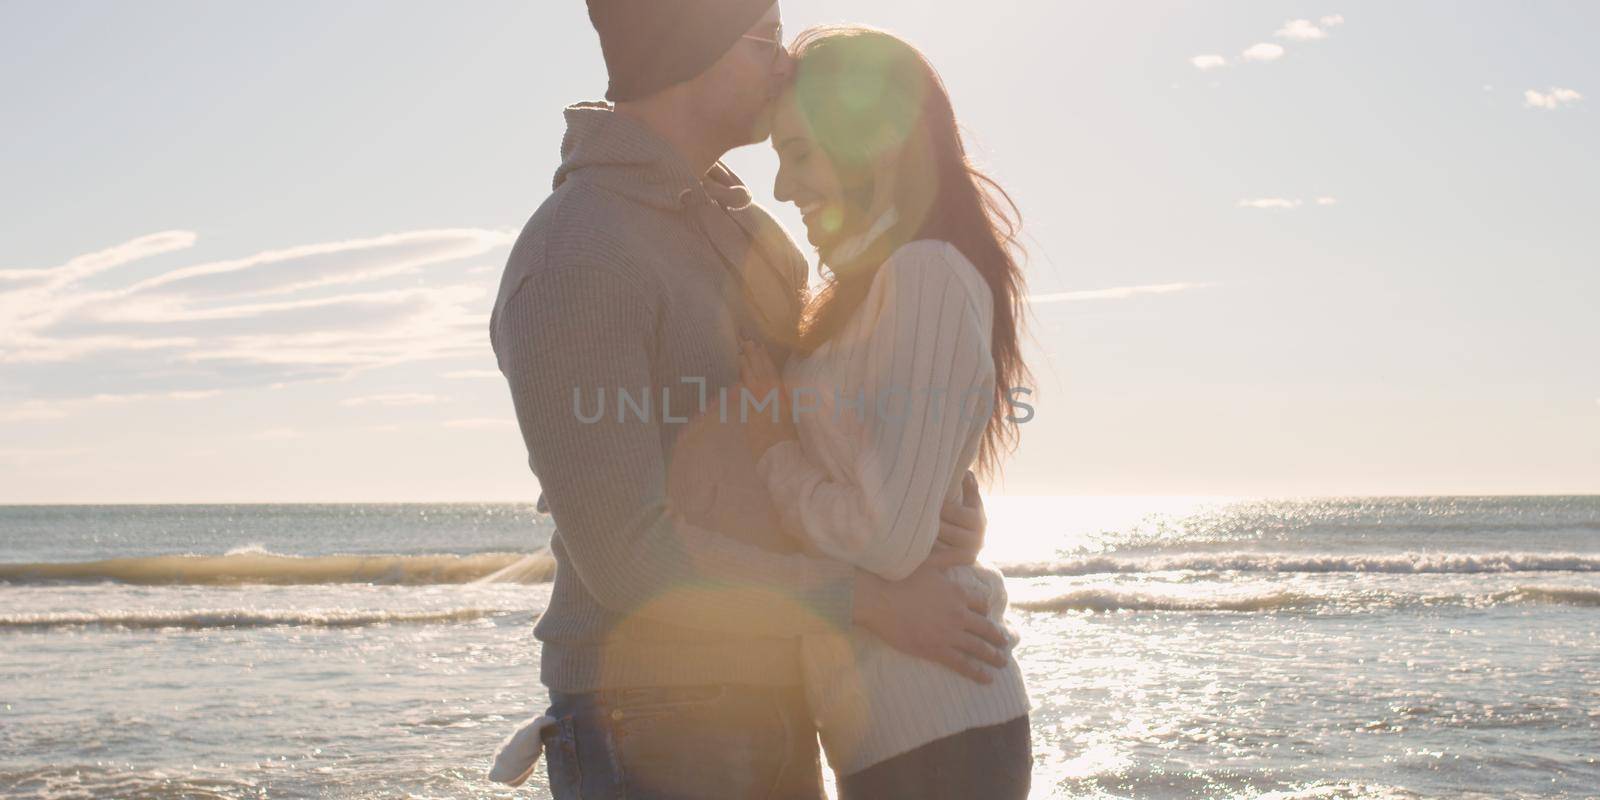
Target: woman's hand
(961, 528)
(759, 376)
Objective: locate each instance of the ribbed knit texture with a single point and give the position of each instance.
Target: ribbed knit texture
(902, 398)
(615, 285)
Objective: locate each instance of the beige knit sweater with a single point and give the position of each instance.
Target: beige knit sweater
(890, 413)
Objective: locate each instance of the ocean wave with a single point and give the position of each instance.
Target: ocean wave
(1106, 598)
(1556, 595)
(95, 780)
(1395, 563)
(253, 565)
(1119, 600)
(238, 618)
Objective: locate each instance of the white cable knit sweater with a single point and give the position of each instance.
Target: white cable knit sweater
(890, 414)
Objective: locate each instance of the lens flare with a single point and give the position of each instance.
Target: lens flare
(862, 95)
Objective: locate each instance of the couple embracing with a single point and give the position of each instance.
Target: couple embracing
(767, 518)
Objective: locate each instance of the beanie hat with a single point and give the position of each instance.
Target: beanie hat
(650, 45)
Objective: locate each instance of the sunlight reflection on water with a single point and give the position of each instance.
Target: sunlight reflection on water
(1173, 648)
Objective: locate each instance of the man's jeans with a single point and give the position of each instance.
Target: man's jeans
(722, 741)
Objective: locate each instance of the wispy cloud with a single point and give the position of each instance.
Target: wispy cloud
(1117, 293)
(472, 374)
(392, 400)
(307, 312)
(1284, 203)
(37, 410)
(142, 396)
(1271, 202)
(32, 411)
(312, 265)
(1556, 97)
(1295, 30)
(101, 260)
(1300, 30)
(1263, 51)
(479, 423)
(277, 435)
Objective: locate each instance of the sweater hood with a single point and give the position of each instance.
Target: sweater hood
(622, 155)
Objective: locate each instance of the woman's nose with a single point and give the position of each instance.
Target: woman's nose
(780, 186)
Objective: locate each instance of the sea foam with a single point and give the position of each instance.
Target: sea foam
(1113, 598)
(1393, 563)
(255, 566)
(239, 618)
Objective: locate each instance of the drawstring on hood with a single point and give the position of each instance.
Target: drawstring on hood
(688, 198)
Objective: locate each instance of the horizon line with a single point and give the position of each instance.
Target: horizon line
(1124, 496)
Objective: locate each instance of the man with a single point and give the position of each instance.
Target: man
(670, 645)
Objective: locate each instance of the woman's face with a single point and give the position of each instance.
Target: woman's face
(806, 177)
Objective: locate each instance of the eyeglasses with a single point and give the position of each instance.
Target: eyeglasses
(776, 42)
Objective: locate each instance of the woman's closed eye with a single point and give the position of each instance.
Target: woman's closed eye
(795, 153)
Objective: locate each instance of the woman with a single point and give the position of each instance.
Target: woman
(898, 386)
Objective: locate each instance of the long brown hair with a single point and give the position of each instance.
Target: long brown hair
(866, 94)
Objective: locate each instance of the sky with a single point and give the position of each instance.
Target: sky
(1276, 248)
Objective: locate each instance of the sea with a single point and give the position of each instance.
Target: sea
(1173, 647)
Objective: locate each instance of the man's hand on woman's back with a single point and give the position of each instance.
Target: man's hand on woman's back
(928, 614)
(931, 616)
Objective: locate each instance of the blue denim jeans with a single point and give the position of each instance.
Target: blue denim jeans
(721, 741)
